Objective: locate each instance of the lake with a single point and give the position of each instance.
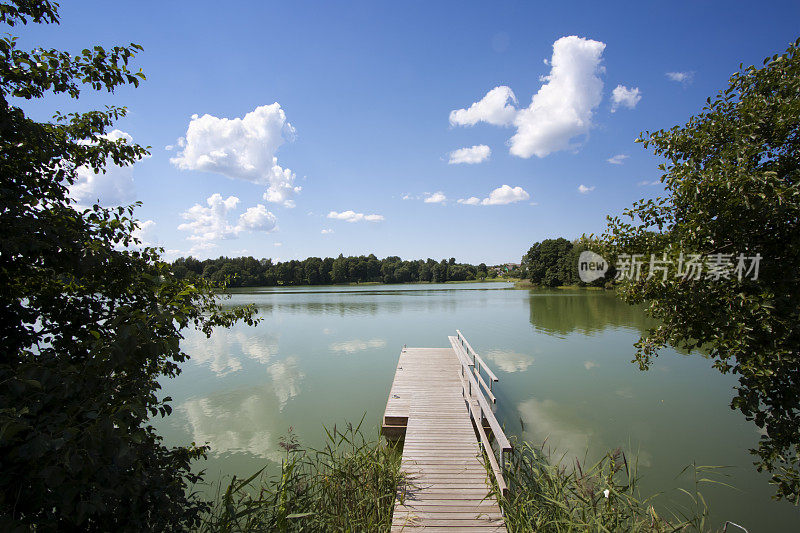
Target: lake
(327, 355)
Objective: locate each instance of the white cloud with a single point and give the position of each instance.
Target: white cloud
(326, 231)
(277, 244)
(645, 183)
(583, 189)
(680, 77)
(493, 108)
(208, 224)
(436, 198)
(621, 96)
(476, 154)
(242, 148)
(143, 231)
(617, 159)
(500, 196)
(257, 219)
(352, 216)
(563, 107)
(110, 188)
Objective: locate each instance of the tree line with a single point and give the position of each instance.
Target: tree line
(554, 263)
(251, 272)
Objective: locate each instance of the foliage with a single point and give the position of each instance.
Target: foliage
(546, 496)
(349, 485)
(554, 262)
(90, 322)
(251, 272)
(732, 178)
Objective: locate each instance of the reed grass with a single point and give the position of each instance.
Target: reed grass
(351, 482)
(347, 485)
(548, 495)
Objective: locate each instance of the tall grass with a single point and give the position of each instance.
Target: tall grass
(547, 495)
(347, 485)
(351, 482)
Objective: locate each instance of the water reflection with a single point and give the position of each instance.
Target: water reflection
(566, 311)
(245, 419)
(314, 304)
(510, 361)
(224, 350)
(357, 345)
(286, 378)
(545, 420)
(566, 377)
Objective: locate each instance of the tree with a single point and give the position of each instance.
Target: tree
(90, 320)
(732, 179)
(482, 272)
(339, 272)
(545, 262)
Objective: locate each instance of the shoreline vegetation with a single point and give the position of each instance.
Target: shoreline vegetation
(350, 484)
(550, 263)
(251, 272)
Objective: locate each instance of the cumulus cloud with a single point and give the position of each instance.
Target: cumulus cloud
(475, 154)
(352, 216)
(326, 231)
(563, 107)
(110, 188)
(142, 233)
(435, 198)
(561, 110)
(617, 159)
(472, 200)
(500, 196)
(583, 189)
(497, 108)
(242, 148)
(621, 96)
(257, 219)
(685, 77)
(208, 224)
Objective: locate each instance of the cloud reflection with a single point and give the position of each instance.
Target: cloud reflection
(246, 420)
(225, 350)
(510, 361)
(357, 345)
(543, 419)
(286, 378)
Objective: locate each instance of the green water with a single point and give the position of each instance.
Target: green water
(327, 355)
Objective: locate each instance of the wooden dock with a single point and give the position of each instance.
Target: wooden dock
(438, 404)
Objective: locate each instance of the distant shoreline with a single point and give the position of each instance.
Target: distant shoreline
(374, 283)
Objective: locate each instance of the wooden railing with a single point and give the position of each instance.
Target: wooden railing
(476, 391)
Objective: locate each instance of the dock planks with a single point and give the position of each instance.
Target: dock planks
(448, 488)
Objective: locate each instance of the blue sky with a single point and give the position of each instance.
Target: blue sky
(368, 89)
